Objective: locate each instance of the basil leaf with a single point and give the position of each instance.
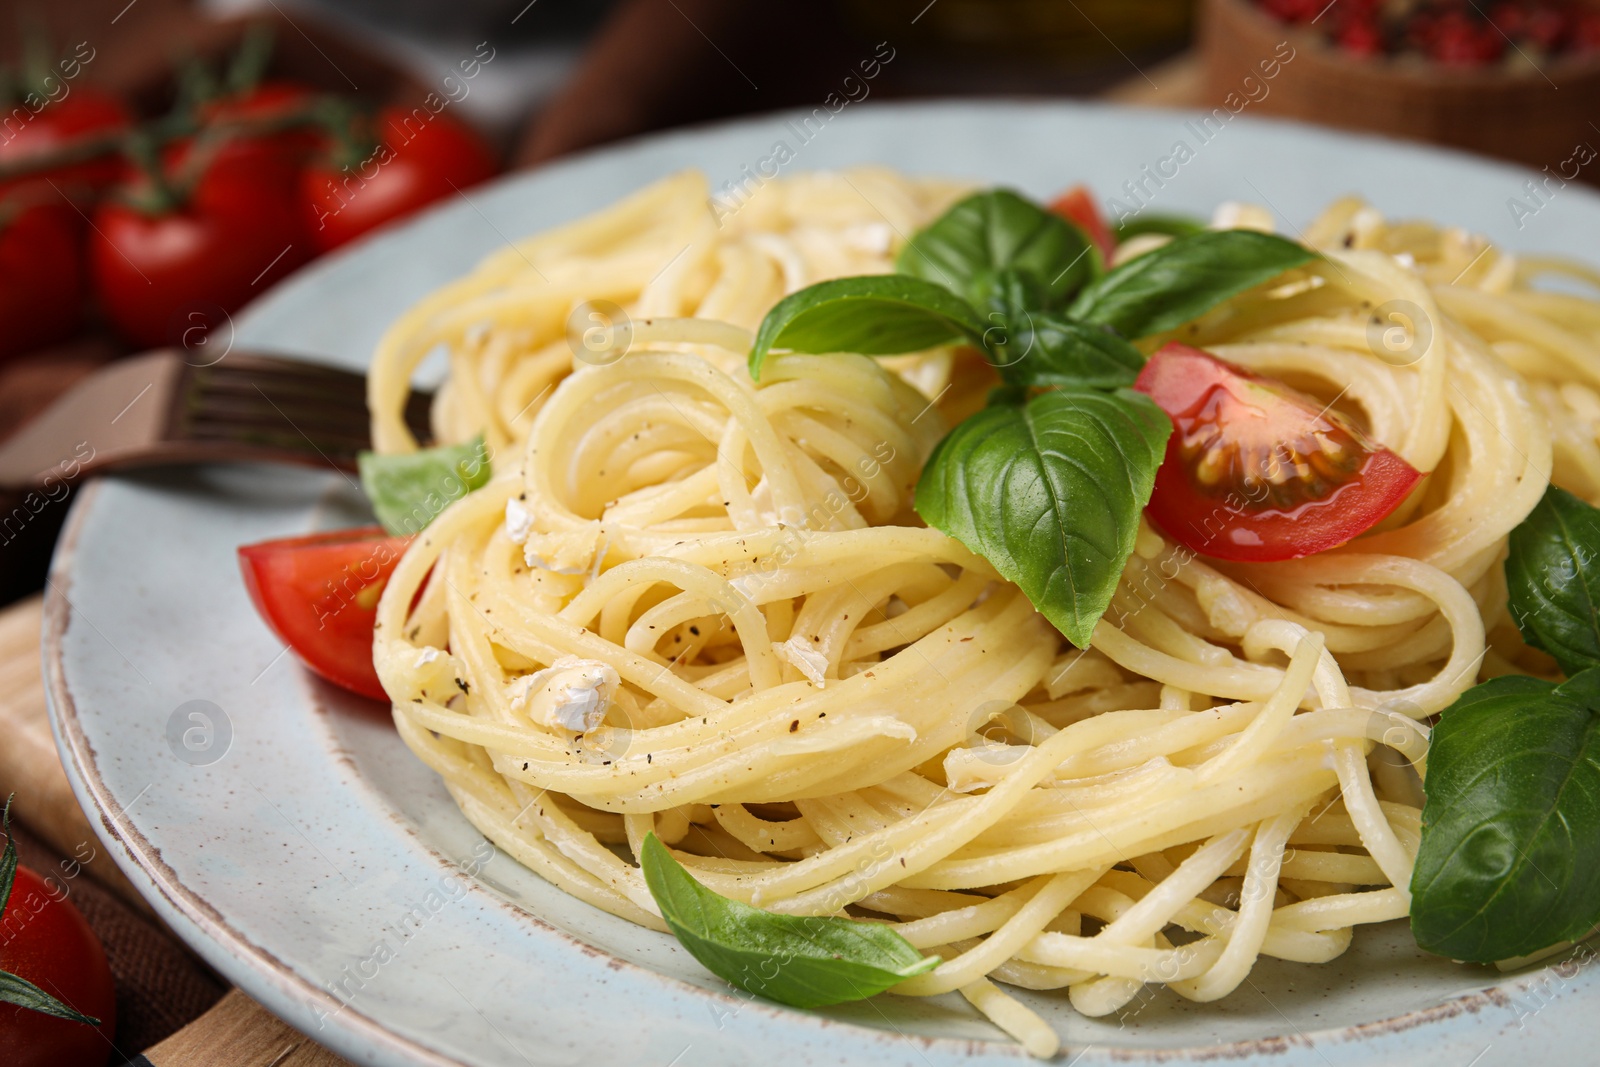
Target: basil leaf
(1171, 225)
(803, 961)
(8, 858)
(1045, 348)
(873, 315)
(409, 490)
(15, 990)
(1553, 578)
(1185, 278)
(999, 230)
(1050, 493)
(1511, 827)
(24, 994)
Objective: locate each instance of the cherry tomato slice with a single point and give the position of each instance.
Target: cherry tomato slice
(1256, 471)
(45, 939)
(320, 596)
(1077, 206)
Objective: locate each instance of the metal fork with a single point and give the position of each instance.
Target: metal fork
(158, 408)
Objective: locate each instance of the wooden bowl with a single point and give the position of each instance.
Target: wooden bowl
(1538, 115)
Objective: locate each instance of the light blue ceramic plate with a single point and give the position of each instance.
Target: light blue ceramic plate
(303, 852)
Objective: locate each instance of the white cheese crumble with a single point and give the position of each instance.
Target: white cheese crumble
(807, 660)
(519, 520)
(571, 694)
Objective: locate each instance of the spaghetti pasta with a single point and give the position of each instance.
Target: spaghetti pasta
(698, 606)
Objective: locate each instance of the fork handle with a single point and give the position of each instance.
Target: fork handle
(110, 415)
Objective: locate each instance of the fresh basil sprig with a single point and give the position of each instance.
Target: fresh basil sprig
(806, 962)
(408, 490)
(1013, 483)
(1184, 278)
(1511, 827)
(13, 988)
(1553, 578)
(1047, 348)
(998, 230)
(873, 315)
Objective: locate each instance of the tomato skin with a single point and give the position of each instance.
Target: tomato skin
(237, 235)
(41, 274)
(277, 157)
(1233, 510)
(44, 939)
(1078, 207)
(84, 112)
(417, 163)
(320, 596)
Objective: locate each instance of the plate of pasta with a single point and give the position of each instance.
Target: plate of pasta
(963, 583)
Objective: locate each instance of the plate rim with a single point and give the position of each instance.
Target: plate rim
(258, 972)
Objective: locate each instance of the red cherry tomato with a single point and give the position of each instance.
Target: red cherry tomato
(1077, 206)
(422, 158)
(238, 233)
(41, 271)
(1257, 471)
(285, 152)
(320, 596)
(48, 942)
(82, 113)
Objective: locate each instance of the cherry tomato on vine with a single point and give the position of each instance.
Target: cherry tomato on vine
(283, 152)
(179, 251)
(47, 942)
(41, 270)
(1257, 471)
(320, 596)
(85, 112)
(419, 158)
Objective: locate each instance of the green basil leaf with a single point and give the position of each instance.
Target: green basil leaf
(803, 961)
(25, 994)
(999, 230)
(8, 858)
(873, 315)
(1050, 493)
(1171, 225)
(1553, 578)
(1046, 348)
(1163, 289)
(1511, 826)
(409, 490)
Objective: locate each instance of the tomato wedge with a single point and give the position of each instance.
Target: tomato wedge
(1257, 471)
(1077, 206)
(320, 596)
